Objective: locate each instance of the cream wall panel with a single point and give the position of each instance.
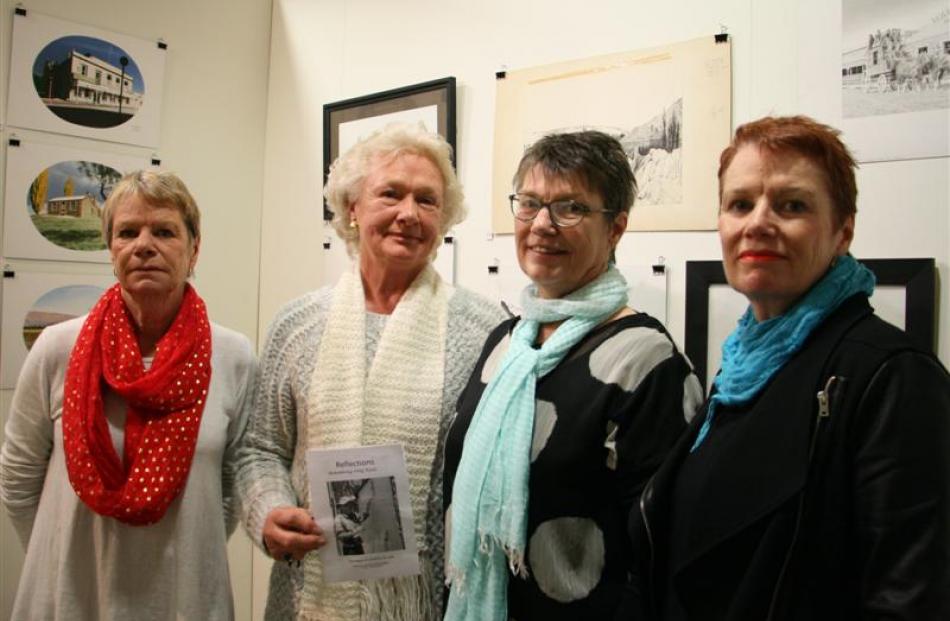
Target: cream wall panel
(213, 121)
(337, 49)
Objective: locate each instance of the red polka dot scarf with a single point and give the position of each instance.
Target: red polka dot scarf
(165, 405)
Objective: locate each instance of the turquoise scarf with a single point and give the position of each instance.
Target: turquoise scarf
(754, 352)
(490, 494)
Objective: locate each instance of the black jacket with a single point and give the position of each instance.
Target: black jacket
(842, 491)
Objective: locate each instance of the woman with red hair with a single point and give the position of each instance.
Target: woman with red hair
(815, 482)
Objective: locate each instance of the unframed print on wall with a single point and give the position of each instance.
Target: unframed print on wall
(31, 302)
(669, 106)
(53, 198)
(72, 79)
(895, 78)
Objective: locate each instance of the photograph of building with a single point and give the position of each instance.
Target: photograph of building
(88, 81)
(73, 206)
(58, 305)
(894, 63)
(64, 203)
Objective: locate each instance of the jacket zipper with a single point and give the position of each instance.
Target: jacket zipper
(648, 490)
(824, 412)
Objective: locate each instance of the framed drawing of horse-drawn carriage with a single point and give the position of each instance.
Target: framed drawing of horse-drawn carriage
(895, 78)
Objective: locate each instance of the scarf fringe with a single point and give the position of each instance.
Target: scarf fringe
(407, 598)
(514, 555)
(455, 576)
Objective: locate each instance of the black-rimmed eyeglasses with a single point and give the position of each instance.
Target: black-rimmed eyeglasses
(564, 213)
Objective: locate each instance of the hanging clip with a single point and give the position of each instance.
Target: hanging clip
(723, 36)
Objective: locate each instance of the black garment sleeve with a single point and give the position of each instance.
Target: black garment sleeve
(901, 469)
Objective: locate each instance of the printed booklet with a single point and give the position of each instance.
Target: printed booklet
(360, 498)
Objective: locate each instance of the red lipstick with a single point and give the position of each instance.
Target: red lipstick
(759, 255)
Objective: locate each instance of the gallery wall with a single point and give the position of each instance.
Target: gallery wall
(786, 59)
(246, 81)
(212, 135)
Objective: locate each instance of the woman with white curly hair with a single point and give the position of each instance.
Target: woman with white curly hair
(380, 357)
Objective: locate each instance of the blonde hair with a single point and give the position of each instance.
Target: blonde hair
(349, 171)
(158, 189)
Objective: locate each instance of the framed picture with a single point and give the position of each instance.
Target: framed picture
(346, 122)
(904, 296)
(53, 199)
(78, 80)
(33, 301)
(669, 106)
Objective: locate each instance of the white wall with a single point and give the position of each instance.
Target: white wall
(214, 111)
(337, 49)
(333, 50)
(213, 116)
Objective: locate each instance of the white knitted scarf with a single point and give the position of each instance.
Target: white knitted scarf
(398, 401)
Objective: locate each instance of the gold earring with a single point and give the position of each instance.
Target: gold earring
(353, 224)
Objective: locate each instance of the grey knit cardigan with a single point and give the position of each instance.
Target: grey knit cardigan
(272, 464)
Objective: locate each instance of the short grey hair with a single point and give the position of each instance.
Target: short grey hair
(158, 189)
(349, 171)
(594, 158)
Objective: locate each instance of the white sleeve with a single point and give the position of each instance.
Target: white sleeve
(28, 435)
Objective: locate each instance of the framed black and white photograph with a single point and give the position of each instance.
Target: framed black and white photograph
(33, 301)
(53, 200)
(904, 296)
(895, 78)
(79, 80)
(346, 122)
(669, 106)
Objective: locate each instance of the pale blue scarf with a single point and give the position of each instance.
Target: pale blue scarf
(755, 351)
(490, 494)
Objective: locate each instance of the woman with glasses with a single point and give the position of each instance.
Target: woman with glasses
(569, 409)
(379, 358)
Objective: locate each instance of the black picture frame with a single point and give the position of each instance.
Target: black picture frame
(440, 93)
(917, 276)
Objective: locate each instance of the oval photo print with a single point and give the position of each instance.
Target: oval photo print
(57, 305)
(88, 81)
(65, 203)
